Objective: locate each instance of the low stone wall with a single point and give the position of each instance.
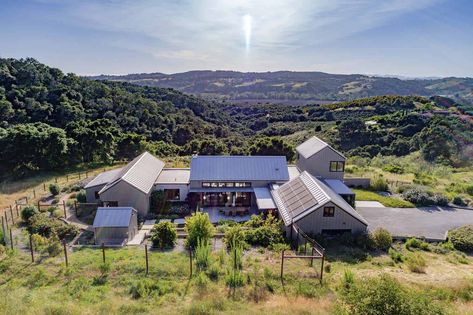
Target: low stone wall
(357, 182)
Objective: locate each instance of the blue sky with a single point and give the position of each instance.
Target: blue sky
(397, 37)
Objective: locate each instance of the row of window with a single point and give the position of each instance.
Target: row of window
(225, 184)
(337, 166)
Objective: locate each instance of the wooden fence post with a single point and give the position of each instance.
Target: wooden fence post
(146, 255)
(190, 259)
(11, 213)
(64, 206)
(322, 268)
(44, 186)
(39, 209)
(3, 229)
(6, 219)
(75, 206)
(26, 198)
(67, 178)
(65, 253)
(79, 175)
(17, 212)
(11, 238)
(103, 252)
(31, 248)
(312, 259)
(282, 263)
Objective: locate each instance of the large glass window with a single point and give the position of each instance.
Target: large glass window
(337, 166)
(225, 184)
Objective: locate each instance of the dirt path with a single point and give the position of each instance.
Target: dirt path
(71, 215)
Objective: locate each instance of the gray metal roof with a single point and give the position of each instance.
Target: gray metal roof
(239, 168)
(174, 176)
(313, 146)
(338, 186)
(103, 178)
(141, 173)
(113, 217)
(264, 200)
(305, 194)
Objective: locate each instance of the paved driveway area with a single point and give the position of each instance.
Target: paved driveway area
(431, 222)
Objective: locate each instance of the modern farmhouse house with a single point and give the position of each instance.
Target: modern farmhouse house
(311, 193)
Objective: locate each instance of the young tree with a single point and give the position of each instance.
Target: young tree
(198, 226)
(164, 235)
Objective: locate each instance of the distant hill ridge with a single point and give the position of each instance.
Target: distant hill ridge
(305, 87)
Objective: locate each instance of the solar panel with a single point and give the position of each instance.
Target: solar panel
(296, 197)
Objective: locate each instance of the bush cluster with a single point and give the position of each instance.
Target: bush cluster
(47, 227)
(28, 212)
(54, 189)
(164, 235)
(384, 295)
(256, 231)
(421, 197)
(382, 239)
(462, 238)
(416, 243)
(198, 227)
(378, 183)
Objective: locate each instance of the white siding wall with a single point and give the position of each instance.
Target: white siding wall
(183, 189)
(315, 222)
(127, 195)
(319, 164)
(90, 193)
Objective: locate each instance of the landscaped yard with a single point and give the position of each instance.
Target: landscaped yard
(120, 286)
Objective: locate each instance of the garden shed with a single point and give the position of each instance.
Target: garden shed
(115, 225)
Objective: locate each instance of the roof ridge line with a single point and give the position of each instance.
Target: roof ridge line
(142, 155)
(317, 184)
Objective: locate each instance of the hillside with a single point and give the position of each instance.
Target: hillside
(304, 87)
(50, 120)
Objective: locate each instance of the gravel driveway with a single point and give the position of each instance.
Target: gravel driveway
(431, 223)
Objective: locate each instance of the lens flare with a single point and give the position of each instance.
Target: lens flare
(247, 30)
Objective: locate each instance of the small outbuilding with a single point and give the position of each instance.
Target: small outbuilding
(115, 225)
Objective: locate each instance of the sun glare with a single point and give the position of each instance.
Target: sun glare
(247, 30)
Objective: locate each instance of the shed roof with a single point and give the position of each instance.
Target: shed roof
(103, 178)
(339, 187)
(141, 173)
(313, 146)
(264, 200)
(174, 176)
(239, 168)
(113, 217)
(293, 171)
(305, 194)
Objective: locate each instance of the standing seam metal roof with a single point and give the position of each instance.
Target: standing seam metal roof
(141, 173)
(315, 196)
(313, 146)
(103, 178)
(113, 217)
(239, 168)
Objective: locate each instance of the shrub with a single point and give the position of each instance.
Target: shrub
(54, 247)
(348, 279)
(264, 232)
(164, 235)
(75, 188)
(159, 202)
(416, 263)
(365, 241)
(421, 197)
(28, 212)
(236, 255)
(378, 183)
(458, 200)
(81, 196)
(416, 243)
(384, 295)
(54, 189)
(202, 254)
(198, 226)
(382, 239)
(234, 233)
(462, 238)
(214, 272)
(234, 279)
(395, 255)
(2, 238)
(392, 168)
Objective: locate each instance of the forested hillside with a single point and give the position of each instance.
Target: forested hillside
(50, 120)
(298, 87)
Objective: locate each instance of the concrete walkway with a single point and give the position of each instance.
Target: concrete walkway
(431, 223)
